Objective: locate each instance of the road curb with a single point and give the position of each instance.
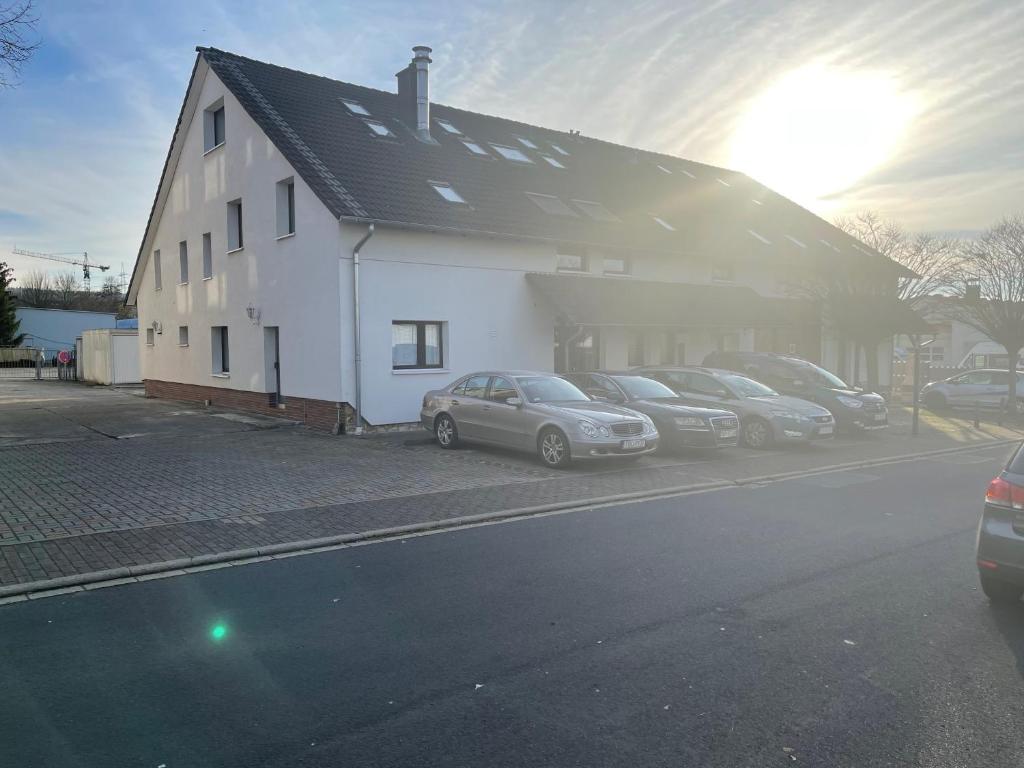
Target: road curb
(16, 592)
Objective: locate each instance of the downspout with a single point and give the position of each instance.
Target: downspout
(357, 345)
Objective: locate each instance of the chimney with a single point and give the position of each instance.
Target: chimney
(413, 93)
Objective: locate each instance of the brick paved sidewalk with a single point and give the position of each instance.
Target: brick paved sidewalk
(71, 505)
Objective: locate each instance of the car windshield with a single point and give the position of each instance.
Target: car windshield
(747, 387)
(821, 376)
(640, 387)
(549, 389)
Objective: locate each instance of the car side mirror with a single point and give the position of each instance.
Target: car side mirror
(514, 401)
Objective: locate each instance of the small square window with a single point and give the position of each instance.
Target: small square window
(550, 204)
(378, 128)
(446, 191)
(663, 223)
(475, 148)
(182, 335)
(158, 281)
(571, 258)
(416, 344)
(511, 153)
(183, 262)
(286, 207)
(526, 142)
(559, 150)
(616, 266)
(207, 256)
(596, 211)
(150, 337)
(355, 107)
(448, 126)
(552, 161)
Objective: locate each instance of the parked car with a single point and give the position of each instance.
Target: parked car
(985, 387)
(766, 417)
(854, 410)
(678, 424)
(535, 412)
(1000, 549)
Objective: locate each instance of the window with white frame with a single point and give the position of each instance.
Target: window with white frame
(150, 337)
(559, 150)
(355, 107)
(417, 344)
(235, 239)
(594, 210)
(511, 153)
(554, 162)
(526, 142)
(571, 258)
(158, 281)
(550, 204)
(219, 346)
(286, 207)
(448, 126)
(182, 335)
(447, 192)
(183, 262)
(378, 128)
(207, 256)
(475, 148)
(213, 126)
(616, 265)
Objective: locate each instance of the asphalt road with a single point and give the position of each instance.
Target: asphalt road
(828, 621)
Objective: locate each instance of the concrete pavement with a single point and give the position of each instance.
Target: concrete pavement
(831, 620)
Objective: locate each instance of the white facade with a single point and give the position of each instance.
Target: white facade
(110, 356)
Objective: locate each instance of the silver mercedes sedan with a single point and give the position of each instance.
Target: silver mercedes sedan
(537, 412)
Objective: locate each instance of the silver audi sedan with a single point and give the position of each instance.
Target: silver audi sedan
(538, 412)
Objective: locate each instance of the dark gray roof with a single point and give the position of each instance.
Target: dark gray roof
(361, 176)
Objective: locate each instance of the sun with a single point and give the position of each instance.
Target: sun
(819, 129)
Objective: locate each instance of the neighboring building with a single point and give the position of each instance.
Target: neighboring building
(478, 242)
(109, 356)
(955, 344)
(54, 330)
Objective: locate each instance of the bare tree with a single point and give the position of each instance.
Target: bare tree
(992, 292)
(65, 290)
(17, 28)
(35, 290)
(935, 260)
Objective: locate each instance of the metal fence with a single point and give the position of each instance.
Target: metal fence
(37, 363)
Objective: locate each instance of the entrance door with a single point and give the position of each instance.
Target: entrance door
(272, 355)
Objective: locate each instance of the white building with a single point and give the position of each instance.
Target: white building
(475, 242)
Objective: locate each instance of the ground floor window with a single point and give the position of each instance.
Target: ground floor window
(219, 344)
(416, 344)
(635, 350)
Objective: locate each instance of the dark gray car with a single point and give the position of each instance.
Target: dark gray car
(1000, 552)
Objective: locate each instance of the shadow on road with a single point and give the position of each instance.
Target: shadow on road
(1009, 620)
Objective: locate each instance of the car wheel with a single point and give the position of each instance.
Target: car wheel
(935, 401)
(757, 433)
(445, 431)
(1002, 592)
(553, 448)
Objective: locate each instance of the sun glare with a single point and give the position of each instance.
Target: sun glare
(820, 129)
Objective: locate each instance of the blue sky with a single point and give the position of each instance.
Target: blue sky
(927, 96)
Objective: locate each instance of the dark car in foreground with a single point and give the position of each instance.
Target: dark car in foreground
(854, 410)
(679, 425)
(1001, 534)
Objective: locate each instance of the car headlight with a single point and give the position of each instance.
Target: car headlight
(689, 421)
(850, 402)
(588, 428)
(784, 414)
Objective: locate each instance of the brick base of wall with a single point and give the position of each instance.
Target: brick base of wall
(317, 414)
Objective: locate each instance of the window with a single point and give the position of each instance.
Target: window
(475, 148)
(213, 126)
(596, 211)
(550, 204)
(689, 174)
(182, 335)
(207, 256)
(416, 344)
(616, 266)
(933, 354)
(501, 390)
(448, 126)
(663, 223)
(762, 238)
(723, 183)
(474, 386)
(235, 240)
(378, 128)
(663, 169)
(286, 207)
(158, 282)
(559, 150)
(219, 344)
(635, 348)
(552, 161)
(526, 142)
(446, 191)
(571, 259)
(723, 272)
(795, 241)
(150, 337)
(511, 153)
(355, 107)
(183, 262)
(674, 351)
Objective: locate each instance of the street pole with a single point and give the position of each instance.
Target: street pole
(917, 374)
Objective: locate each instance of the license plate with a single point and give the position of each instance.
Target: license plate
(825, 430)
(879, 417)
(725, 433)
(632, 445)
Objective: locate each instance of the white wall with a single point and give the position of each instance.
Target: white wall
(110, 356)
(291, 282)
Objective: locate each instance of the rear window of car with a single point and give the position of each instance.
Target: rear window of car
(1016, 464)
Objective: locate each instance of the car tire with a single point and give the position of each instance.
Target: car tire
(1001, 592)
(446, 432)
(935, 401)
(553, 448)
(757, 433)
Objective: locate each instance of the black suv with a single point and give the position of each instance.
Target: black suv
(853, 409)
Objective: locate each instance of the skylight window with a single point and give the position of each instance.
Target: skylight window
(378, 128)
(552, 161)
(795, 241)
(511, 153)
(475, 148)
(762, 238)
(596, 211)
(663, 169)
(446, 191)
(689, 174)
(826, 242)
(550, 204)
(663, 223)
(449, 127)
(723, 183)
(355, 107)
(559, 150)
(755, 201)
(526, 142)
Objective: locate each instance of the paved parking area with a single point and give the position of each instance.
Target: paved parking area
(94, 478)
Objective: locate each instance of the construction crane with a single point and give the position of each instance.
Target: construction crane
(78, 259)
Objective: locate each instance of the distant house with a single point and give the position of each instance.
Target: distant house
(325, 248)
(54, 330)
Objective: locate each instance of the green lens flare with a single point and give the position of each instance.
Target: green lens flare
(219, 632)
